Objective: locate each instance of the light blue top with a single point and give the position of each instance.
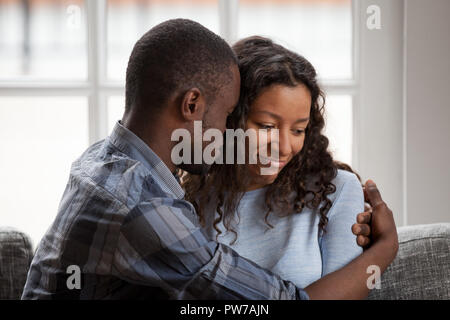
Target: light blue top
(294, 248)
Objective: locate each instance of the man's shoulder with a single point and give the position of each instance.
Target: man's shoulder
(106, 168)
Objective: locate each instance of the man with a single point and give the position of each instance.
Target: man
(122, 219)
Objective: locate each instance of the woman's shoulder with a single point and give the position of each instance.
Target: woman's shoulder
(346, 182)
(344, 177)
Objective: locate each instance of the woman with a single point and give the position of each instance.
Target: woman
(299, 217)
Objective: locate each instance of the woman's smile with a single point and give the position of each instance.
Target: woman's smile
(272, 162)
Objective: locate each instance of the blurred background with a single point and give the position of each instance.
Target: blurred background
(383, 64)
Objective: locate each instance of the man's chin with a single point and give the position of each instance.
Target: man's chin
(197, 169)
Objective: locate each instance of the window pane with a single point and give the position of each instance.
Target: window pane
(320, 30)
(129, 20)
(116, 107)
(39, 138)
(339, 127)
(42, 39)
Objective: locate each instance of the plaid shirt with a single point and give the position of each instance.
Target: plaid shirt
(123, 222)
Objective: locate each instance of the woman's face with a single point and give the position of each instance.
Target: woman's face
(286, 109)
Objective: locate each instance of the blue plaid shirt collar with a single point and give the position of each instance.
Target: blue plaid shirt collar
(130, 144)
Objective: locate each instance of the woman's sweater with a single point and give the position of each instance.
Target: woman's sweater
(294, 248)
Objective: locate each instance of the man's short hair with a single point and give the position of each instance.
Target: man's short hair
(176, 55)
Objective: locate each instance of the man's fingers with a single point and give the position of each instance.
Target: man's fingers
(364, 217)
(372, 194)
(361, 229)
(362, 241)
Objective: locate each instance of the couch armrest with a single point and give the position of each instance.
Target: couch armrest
(16, 253)
(421, 269)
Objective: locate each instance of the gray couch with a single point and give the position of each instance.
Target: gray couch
(421, 269)
(16, 253)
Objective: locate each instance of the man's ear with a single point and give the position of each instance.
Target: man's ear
(193, 105)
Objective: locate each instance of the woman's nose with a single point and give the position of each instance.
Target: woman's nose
(285, 144)
(282, 144)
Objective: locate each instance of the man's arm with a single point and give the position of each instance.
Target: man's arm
(160, 245)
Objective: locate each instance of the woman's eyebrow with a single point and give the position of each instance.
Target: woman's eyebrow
(302, 120)
(273, 115)
(279, 117)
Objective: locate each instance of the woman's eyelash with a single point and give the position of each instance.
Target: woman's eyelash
(266, 126)
(270, 126)
(299, 131)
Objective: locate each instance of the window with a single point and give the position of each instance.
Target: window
(62, 76)
(39, 39)
(127, 21)
(39, 137)
(321, 31)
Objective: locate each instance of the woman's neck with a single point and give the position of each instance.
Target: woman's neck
(255, 184)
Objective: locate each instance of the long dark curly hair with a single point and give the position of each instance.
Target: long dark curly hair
(306, 180)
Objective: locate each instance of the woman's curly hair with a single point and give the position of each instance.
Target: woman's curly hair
(306, 181)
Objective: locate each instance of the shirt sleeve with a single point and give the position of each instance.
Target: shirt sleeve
(161, 245)
(338, 244)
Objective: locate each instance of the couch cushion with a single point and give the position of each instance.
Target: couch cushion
(421, 269)
(16, 254)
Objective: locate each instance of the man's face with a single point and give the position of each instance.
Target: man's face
(216, 116)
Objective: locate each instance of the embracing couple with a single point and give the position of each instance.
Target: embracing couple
(139, 226)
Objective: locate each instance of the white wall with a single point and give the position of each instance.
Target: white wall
(404, 107)
(379, 114)
(427, 97)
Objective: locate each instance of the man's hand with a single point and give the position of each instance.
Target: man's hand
(382, 222)
(361, 229)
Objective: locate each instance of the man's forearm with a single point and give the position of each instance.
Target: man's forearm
(350, 282)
